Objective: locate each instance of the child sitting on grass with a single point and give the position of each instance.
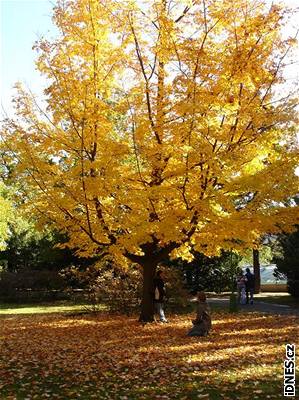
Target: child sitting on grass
(202, 324)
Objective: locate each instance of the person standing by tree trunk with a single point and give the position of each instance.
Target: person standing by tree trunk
(249, 286)
(159, 294)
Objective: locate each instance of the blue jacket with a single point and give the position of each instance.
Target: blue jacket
(250, 280)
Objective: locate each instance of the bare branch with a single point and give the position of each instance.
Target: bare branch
(147, 90)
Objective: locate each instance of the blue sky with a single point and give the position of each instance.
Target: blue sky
(21, 23)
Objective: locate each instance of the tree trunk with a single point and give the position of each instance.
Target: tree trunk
(147, 303)
(256, 271)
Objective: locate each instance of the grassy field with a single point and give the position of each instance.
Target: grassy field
(53, 353)
(44, 308)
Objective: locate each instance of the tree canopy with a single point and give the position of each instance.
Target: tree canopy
(6, 214)
(165, 124)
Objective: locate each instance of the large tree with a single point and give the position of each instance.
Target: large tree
(163, 126)
(288, 261)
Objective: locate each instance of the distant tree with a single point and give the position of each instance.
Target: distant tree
(6, 213)
(262, 255)
(267, 250)
(288, 263)
(29, 248)
(215, 274)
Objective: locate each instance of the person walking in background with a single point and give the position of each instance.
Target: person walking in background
(202, 324)
(159, 293)
(249, 285)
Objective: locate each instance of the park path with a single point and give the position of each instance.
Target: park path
(258, 306)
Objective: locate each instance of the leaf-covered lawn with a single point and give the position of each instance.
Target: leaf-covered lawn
(108, 357)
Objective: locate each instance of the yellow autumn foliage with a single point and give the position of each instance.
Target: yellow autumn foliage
(163, 126)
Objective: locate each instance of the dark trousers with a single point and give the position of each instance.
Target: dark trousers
(249, 291)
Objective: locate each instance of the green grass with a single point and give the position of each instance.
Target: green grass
(67, 306)
(44, 308)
